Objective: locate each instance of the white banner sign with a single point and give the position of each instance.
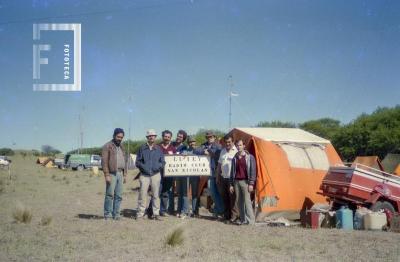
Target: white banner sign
(180, 165)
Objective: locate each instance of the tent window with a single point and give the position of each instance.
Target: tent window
(306, 156)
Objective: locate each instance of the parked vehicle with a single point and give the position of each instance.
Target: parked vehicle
(59, 162)
(362, 185)
(81, 161)
(4, 161)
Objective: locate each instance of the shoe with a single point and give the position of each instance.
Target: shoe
(107, 218)
(239, 223)
(219, 217)
(157, 218)
(117, 218)
(140, 215)
(164, 214)
(194, 215)
(183, 216)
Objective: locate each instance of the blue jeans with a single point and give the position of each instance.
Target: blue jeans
(182, 188)
(113, 196)
(194, 184)
(167, 195)
(215, 196)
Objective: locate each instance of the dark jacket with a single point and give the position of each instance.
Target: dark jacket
(150, 162)
(250, 166)
(214, 149)
(192, 151)
(109, 158)
(179, 149)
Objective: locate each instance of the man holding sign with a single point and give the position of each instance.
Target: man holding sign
(167, 188)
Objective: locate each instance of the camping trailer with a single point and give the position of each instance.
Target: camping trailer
(291, 164)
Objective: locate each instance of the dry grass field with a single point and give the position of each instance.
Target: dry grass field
(63, 215)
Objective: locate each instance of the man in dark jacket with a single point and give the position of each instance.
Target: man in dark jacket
(150, 161)
(213, 149)
(114, 163)
(243, 178)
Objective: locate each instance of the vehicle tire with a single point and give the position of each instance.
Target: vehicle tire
(382, 205)
(80, 168)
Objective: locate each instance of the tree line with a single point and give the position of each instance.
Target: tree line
(377, 133)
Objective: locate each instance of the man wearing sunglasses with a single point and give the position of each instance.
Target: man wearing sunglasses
(114, 163)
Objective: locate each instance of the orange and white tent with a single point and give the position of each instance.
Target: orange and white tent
(291, 164)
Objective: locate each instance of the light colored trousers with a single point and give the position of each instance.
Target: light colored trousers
(244, 201)
(145, 182)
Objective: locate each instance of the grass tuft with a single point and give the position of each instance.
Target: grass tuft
(2, 186)
(22, 214)
(175, 238)
(46, 220)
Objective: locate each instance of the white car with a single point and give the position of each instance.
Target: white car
(4, 161)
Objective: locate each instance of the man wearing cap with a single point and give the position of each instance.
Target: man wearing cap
(213, 149)
(150, 161)
(114, 163)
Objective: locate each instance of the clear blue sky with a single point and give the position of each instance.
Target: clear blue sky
(290, 61)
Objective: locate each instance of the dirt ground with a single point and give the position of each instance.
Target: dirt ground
(77, 232)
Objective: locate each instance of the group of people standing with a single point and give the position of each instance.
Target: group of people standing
(232, 180)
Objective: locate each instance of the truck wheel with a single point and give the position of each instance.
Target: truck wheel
(80, 168)
(382, 205)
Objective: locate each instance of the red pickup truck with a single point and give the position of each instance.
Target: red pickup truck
(362, 185)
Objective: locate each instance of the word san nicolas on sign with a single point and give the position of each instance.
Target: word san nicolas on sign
(180, 165)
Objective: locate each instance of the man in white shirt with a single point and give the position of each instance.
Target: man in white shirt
(223, 178)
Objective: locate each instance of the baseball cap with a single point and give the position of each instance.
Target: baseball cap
(210, 133)
(151, 132)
